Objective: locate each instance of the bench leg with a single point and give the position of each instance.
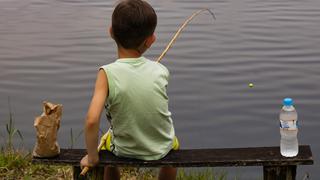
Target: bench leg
(279, 172)
(76, 172)
(96, 173)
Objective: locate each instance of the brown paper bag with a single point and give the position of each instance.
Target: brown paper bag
(47, 125)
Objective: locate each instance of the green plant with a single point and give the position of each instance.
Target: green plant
(2, 139)
(73, 139)
(11, 130)
(208, 174)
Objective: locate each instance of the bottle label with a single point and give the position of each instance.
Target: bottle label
(289, 125)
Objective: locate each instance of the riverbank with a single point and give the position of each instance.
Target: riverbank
(17, 165)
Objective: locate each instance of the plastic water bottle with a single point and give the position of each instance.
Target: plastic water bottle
(288, 129)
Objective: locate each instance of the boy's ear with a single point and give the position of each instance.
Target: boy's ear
(111, 32)
(150, 40)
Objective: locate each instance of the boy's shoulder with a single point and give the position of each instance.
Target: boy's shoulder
(119, 64)
(111, 66)
(108, 65)
(159, 65)
(163, 67)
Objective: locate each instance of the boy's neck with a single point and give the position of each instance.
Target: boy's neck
(128, 53)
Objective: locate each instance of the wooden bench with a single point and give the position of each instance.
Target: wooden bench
(274, 165)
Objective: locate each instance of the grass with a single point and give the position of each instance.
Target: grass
(183, 174)
(17, 165)
(207, 174)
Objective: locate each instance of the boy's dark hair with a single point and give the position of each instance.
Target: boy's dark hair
(132, 22)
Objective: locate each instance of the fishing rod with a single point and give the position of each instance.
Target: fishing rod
(186, 22)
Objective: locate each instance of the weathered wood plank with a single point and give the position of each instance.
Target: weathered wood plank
(257, 156)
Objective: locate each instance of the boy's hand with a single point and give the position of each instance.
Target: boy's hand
(89, 162)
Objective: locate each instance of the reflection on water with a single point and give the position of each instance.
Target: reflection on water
(50, 50)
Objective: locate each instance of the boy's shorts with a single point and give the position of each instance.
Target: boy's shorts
(105, 142)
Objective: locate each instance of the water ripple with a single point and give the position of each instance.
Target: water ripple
(52, 49)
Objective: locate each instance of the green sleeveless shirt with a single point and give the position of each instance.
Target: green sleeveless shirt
(137, 108)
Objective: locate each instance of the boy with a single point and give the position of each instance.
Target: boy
(133, 91)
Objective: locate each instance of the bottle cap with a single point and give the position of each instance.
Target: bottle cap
(287, 102)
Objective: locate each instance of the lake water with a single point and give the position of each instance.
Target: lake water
(51, 50)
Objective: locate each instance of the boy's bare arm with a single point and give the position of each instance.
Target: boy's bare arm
(93, 117)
